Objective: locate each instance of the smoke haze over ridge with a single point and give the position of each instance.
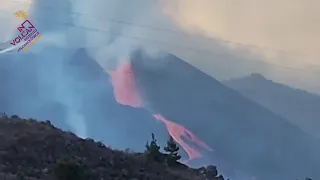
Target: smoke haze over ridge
(191, 27)
(263, 24)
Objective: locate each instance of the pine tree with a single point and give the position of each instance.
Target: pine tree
(172, 148)
(153, 150)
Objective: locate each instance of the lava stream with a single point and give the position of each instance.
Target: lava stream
(126, 94)
(177, 132)
(124, 87)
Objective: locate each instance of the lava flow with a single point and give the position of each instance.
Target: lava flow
(126, 94)
(177, 132)
(124, 87)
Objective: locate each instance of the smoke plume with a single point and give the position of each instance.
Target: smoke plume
(222, 38)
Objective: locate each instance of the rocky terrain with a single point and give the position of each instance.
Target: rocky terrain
(31, 150)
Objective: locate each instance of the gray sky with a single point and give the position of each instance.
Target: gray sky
(224, 38)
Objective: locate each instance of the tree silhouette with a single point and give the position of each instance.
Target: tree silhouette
(152, 150)
(172, 148)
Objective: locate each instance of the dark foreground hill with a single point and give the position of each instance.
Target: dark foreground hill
(35, 150)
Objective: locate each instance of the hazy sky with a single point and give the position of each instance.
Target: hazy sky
(224, 38)
(289, 25)
(285, 31)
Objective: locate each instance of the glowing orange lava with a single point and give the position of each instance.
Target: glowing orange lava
(126, 94)
(124, 87)
(177, 132)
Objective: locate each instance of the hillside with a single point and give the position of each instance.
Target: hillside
(33, 150)
(73, 88)
(300, 107)
(245, 135)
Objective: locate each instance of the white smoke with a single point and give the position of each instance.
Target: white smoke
(9, 22)
(78, 123)
(111, 29)
(116, 40)
(279, 36)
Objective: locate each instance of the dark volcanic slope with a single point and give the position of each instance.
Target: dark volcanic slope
(245, 134)
(299, 107)
(58, 83)
(31, 149)
(116, 124)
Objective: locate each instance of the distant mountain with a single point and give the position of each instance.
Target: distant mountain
(245, 134)
(300, 107)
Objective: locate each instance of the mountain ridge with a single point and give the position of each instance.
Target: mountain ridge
(258, 76)
(236, 124)
(300, 107)
(198, 103)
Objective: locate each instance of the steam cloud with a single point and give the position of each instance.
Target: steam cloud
(33, 84)
(213, 35)
(8, 21)
(288, 26)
